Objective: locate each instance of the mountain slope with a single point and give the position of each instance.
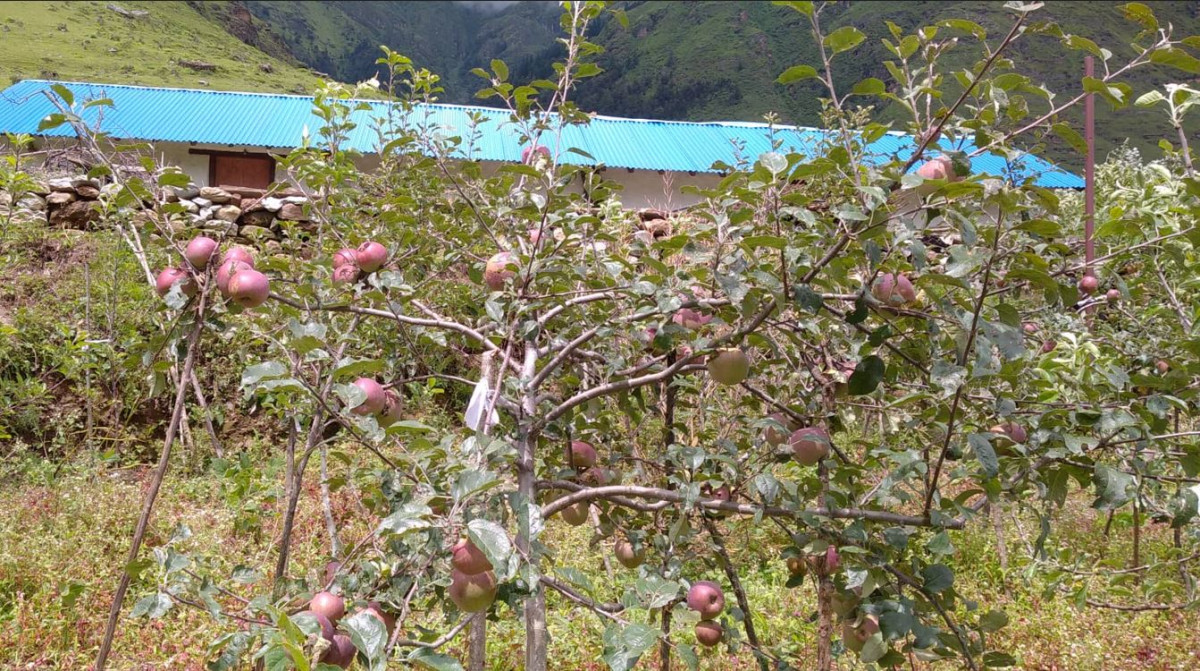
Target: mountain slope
(87, 41)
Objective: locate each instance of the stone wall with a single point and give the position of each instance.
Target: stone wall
(228, 211)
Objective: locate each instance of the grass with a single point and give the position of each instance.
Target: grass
(65, 539)
(85, 41)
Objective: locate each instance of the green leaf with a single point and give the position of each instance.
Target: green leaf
(639, 638)
(152, 606)
(501, 70)
(938, 578)
(965, 26)
(774, 162)
(1112, 488)
(253, 374)
(869, 87)
(425, 658)
(998, 660)
(1136, 11)
(64, 93)
(656, 592)
(797, 73)
(866, 376)
(408, 518)
(1071, 136)
(493, 541)
(844, 39)
(1176, 58)
(985, 453)
(805, 8)
(1149, 99)
(1117, 94)
(369, 636)
(993, 620)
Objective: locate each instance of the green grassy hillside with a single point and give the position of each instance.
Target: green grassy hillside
(87, 41)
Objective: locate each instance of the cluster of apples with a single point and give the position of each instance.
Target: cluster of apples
(894, 289)
(472, 582)
(727, 366)
(327, 608)
(706, 598)
(385, 404)
(583, 460)
(810, 444)
(350, 264)
(236, 277)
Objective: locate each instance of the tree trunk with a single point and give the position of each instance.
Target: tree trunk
(535, 604)
(139, 533)
(335, 543)
(824, 622)
(477, 655)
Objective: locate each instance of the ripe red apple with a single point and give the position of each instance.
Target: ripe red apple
(939, 168)
(810, 445)
(895, 289)
(371, 256)
(690, 319)
(387, 619)
(1029, 327)
(1088, 285)
(596, 477)
(249, 288)
(528, 153)
(169, 277)
(468, 559)
(1049, 346)
(728, 366)
(393, 409)
(328, 604)
(199, 251)
(227, 270)
(855, 636)
(1012, 431)
(1113, 295)
(375, 400)
(341, 653)
(327, 630)
(709, 633)
(832, 560)
(776, 437)
(345, 257)
(583, 455)
(238, 254)
(497, 270)
(346, 274)
(472, 593)
(576, 513)
(705, 597)
(628, 557)
(1162, 367)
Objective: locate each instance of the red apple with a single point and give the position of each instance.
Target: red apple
(855, 636)
(938, 168)
(346, 274)
(468, 559)
(249, 288)
(1162, 367)
(810, 445)
(1113, 295)
(1049, 346)
(345, 257)
(200, 251)
(628, 557)
(375, 400)
(371, 256)
(1012, 431)
(327, 630)
(527, 154)
(1029, 327)
(238, 254)
(227, 270)
(341, 653)
(776, 437)
(576, 514)
(796, 566)
(895, 289)
(472, 593)
(1088, 285)
(171, 276)
(583, 455)
(690, 319)
(393, 409)
(328, 604)
(705, 597)
(709, 633)
(497, 270)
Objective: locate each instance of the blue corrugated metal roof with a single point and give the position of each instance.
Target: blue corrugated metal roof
(279, 122)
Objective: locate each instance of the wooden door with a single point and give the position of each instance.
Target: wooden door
(256, 171)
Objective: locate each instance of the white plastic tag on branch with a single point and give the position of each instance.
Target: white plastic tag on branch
(481, 400)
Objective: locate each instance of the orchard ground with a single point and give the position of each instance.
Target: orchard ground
(67, 533)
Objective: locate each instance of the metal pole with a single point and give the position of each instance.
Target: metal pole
(1089, 193)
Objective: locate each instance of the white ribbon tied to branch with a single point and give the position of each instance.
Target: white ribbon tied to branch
(481, 401)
